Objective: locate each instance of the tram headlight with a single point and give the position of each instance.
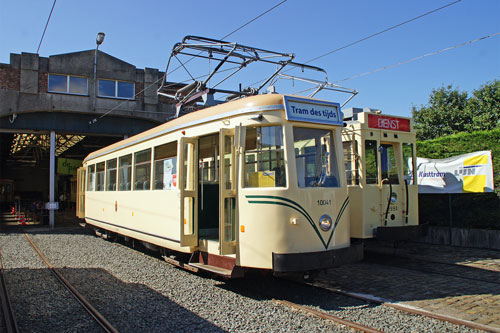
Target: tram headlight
(394, 197)
(325, 222)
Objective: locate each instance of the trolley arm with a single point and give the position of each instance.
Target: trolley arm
(240, 55)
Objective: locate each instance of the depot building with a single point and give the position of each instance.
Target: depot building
(54, 111)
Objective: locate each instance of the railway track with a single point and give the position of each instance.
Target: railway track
(327, 316)
(409, 309)
(99, 319)
(9, 319)
(436, 267)
(371, 300)
(323, 312)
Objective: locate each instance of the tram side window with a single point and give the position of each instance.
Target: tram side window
(111, 175)
(315, 157)
(100, 177)
(208, 156)
(371, 162)
(91, 178)
(124, 172)
(165, 166)
(408, 172)
(264, 157)
(142, 170)
(388, 163)
(351, 162)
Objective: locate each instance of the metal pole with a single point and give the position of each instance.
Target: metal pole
(95, 78)
(451, 215)
(52, 174)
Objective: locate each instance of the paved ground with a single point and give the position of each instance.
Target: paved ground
(470, 291)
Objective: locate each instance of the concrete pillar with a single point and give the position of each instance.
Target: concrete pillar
(29, 73)
(52, 177)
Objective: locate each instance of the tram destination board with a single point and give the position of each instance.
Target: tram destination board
(388, 123)
(313, 111)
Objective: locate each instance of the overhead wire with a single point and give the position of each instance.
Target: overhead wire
(254, 19)
(46, 25)
(383, 31)
(93, 121)
(418, 58)
(231, 33)
(373, 35)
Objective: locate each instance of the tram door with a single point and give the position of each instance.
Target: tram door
(188, 186)
(387, 166)
(227, 192)
(392, 187)
(80, 192)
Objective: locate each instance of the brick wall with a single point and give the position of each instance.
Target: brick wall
(43, 82)
(9, 78)
(139, 91)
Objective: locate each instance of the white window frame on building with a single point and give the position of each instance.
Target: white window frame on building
(68, 89)
(117, 93)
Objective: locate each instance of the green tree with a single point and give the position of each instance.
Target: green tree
(484, 105)
(445, 114)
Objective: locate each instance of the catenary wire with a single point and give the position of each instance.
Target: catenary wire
(46, 25)
(418, 58)
(93, 121)
(233, 32)
(383, 31)
(256, 18)
(371, 36)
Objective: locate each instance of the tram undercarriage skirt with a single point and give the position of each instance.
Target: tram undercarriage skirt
(296, 262)
(407, 232)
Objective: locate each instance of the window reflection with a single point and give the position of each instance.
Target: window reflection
(315, 157)
(106, 88)
(264, 157)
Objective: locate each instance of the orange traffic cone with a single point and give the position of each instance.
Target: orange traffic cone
(22, 220)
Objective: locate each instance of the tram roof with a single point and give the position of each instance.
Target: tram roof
(252, 104)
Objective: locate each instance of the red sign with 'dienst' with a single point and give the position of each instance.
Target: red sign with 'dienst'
(388, 123)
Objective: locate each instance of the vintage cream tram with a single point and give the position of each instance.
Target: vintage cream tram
(253, 183)
(256, 181)
(379, 158)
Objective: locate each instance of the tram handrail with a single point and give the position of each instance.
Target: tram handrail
(389, 200)
(407, 201)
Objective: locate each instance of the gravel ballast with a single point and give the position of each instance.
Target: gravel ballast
(136, 291)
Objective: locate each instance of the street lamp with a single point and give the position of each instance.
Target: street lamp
(99, 39)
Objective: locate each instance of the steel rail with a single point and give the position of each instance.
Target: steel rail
(7, 310)
(407, 308)
(327, 316)
(105, 325)
(430, 271)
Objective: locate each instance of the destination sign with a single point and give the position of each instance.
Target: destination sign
(312, 111)
(388, 123)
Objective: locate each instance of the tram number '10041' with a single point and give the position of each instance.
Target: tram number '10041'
(324, 202)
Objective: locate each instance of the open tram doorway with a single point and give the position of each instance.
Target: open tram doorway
(208, 192)
(388, 166)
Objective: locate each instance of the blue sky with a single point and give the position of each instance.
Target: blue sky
(143, 32)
